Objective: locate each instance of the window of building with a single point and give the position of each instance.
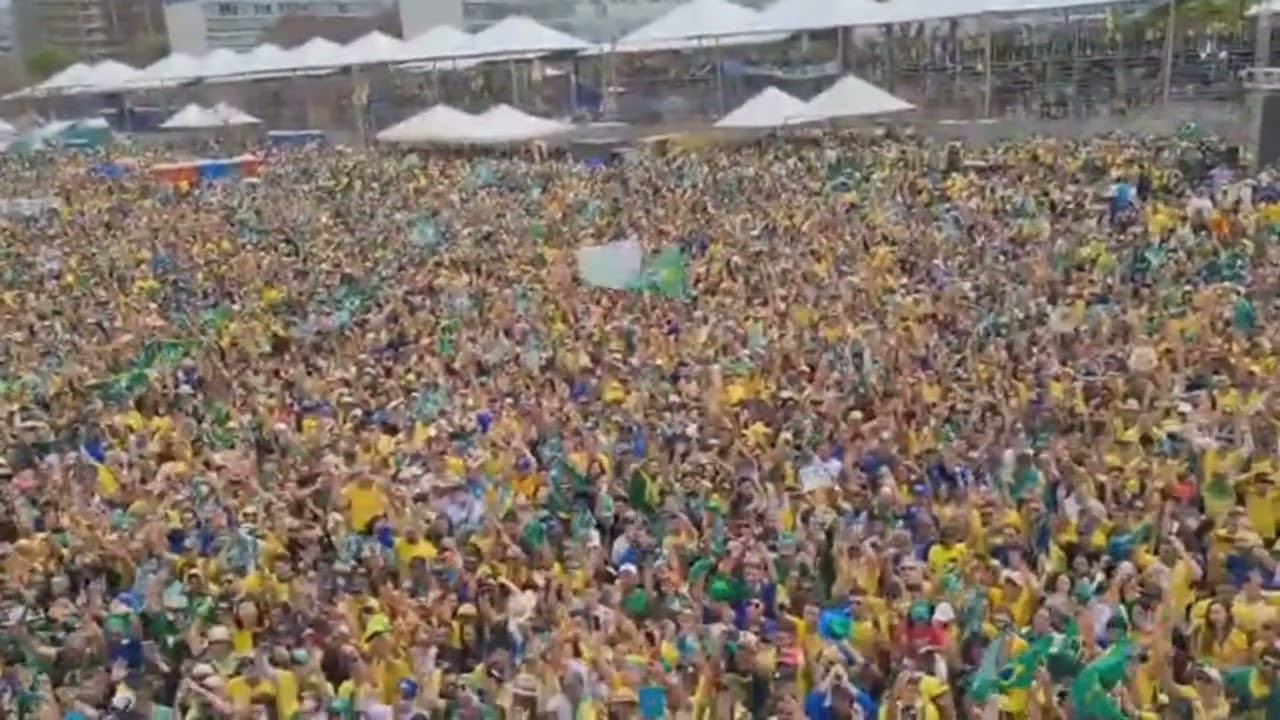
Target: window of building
(262, 9)
(227, 9)
(343, 9)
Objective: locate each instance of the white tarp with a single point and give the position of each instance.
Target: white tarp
(192, 117)
(372, 49)
(505, 124)
(439, 123)
(851, 97)
(518, 36)
(173, 69)
(769, 108)
(697, 23)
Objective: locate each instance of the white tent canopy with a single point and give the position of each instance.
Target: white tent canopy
(196, 117)
(852, 97)
(74, 76)
(316, 53)
(111, 75)
(518, 36)
(170, 70)
(439, 43)
(505, 124)
(232, 116)
(439, 123)
(191, 117)
(694, 24)
(266, 59)
(218, 63)
(372, 49)
(7, 129)
(767, 109)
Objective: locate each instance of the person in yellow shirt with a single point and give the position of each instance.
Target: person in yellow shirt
(250, 684)
(1204, 697)
(364, 501)
(1216, 640)
(906, 699)
(411, 546)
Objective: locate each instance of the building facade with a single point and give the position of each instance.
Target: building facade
(198, 26)
(92, 30)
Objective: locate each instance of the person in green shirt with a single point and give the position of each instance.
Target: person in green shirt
(1252, 688)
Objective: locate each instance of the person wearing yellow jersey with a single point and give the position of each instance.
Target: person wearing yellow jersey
(906, 699)
(363, 501)
(386, 665)
(1204, 697)
(1250, 608)
(1216, 640)
(412, 545)
(250, 685)
(948, 553)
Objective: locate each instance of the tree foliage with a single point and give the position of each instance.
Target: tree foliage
(47, 61)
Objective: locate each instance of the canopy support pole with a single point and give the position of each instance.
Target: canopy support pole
(987, 79)
(1170, 29)
(515, 84)
(719, 56)
(607, 99)
(1261, 59)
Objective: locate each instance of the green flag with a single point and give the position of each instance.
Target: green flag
(1091, 691)
(986, 678)
(1020, 672)
(665, 273)
(642, 492)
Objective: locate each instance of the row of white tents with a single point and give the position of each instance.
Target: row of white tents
(197, 117)
(849, 97)
(697, 23)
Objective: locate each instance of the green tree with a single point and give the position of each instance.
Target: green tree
(48, 61)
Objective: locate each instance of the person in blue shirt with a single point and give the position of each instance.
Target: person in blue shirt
(835, 697)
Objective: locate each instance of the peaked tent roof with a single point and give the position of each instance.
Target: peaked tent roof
(220, 63)
(316, 53)
(72, 76)
(442, 42)
(439, 123)
(266, 58)
(769, 108)
(851, 96)
(518, 35)
(372, 49)
(695, 23)
(503, 123)
(191, 116)
(169, 70)
(800, 15)
(229, 115)
(111, 75)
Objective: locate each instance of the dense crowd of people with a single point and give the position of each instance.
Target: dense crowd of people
(890, 439)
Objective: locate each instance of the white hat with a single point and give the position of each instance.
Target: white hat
(944, 613)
